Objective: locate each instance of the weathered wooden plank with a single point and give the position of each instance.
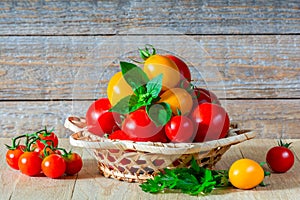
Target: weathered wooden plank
(269, 118)
(80, 67)
(113, 17)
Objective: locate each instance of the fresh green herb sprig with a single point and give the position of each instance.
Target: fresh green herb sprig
(193, 181)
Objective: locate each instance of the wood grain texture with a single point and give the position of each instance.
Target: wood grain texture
(270, 119)
(80, 67)
(115, 17)
(89, 184)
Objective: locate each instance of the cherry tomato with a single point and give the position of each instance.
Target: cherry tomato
(100, 120)
(180, 129)
(138, 125)
(201, 96)
(210, 94)
(280, 158)
(49, 151)
(73, 163)
(119, 135)
(179, 99)
(53, 166)
(182, 67)
(30, 163)
(212, 122)
(13, 155)
(50, 138)
(158, 64)
(118, 88)
(245, 174)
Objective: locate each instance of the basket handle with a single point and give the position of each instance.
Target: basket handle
(75, 124)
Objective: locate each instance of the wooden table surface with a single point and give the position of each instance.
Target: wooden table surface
(89, 184)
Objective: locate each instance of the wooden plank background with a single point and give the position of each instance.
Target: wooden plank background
(57, 56)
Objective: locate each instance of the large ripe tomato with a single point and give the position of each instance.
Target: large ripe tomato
(212, 122)
(138, 125)
(13, 155)
(280, 158)
(182, 67)
(73, 163)
(118, 88)
(53, 166)
(99, 119)
(30, 163)
(158, 64)
(180, 129)
(245, 174)
(179, 99)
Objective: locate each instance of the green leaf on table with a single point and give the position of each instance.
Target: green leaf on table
(193, 180)
(159, 113)
(134, 76)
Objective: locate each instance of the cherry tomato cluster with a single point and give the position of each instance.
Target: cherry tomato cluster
(40, 154)
(157, 102)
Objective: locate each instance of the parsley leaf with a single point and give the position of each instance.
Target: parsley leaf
(193, 181)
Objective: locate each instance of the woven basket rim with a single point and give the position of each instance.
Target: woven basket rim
(82, 138)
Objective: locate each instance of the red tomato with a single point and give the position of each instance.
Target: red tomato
(137, 125)
(49, 151)
(180, 129)
(13, 155)
(54, 166)
(73, 163)
(211, 95)
(30, 163)
(202, 96)
(100, 120)
(50, 138)
(121, 135)
(280, 159)
(212, 122)
(182, 67)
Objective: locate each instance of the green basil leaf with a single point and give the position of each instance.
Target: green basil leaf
(126, 105)
(134, 76)
(159, 113)
(154, 86)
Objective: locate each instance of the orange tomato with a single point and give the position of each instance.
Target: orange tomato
(179, 99)
(158, 64)
(246, 174)
(118, 88)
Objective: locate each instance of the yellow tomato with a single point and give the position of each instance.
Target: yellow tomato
(179, 99)
(118, 88)
(246, 174)
(158, 64)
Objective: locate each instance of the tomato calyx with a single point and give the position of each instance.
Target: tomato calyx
(282, 144)
(44, 132)
(146, 53)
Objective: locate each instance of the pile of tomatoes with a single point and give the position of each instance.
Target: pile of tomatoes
(40, 154)
(156, 101)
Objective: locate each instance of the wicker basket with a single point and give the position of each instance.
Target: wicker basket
(138, 161)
